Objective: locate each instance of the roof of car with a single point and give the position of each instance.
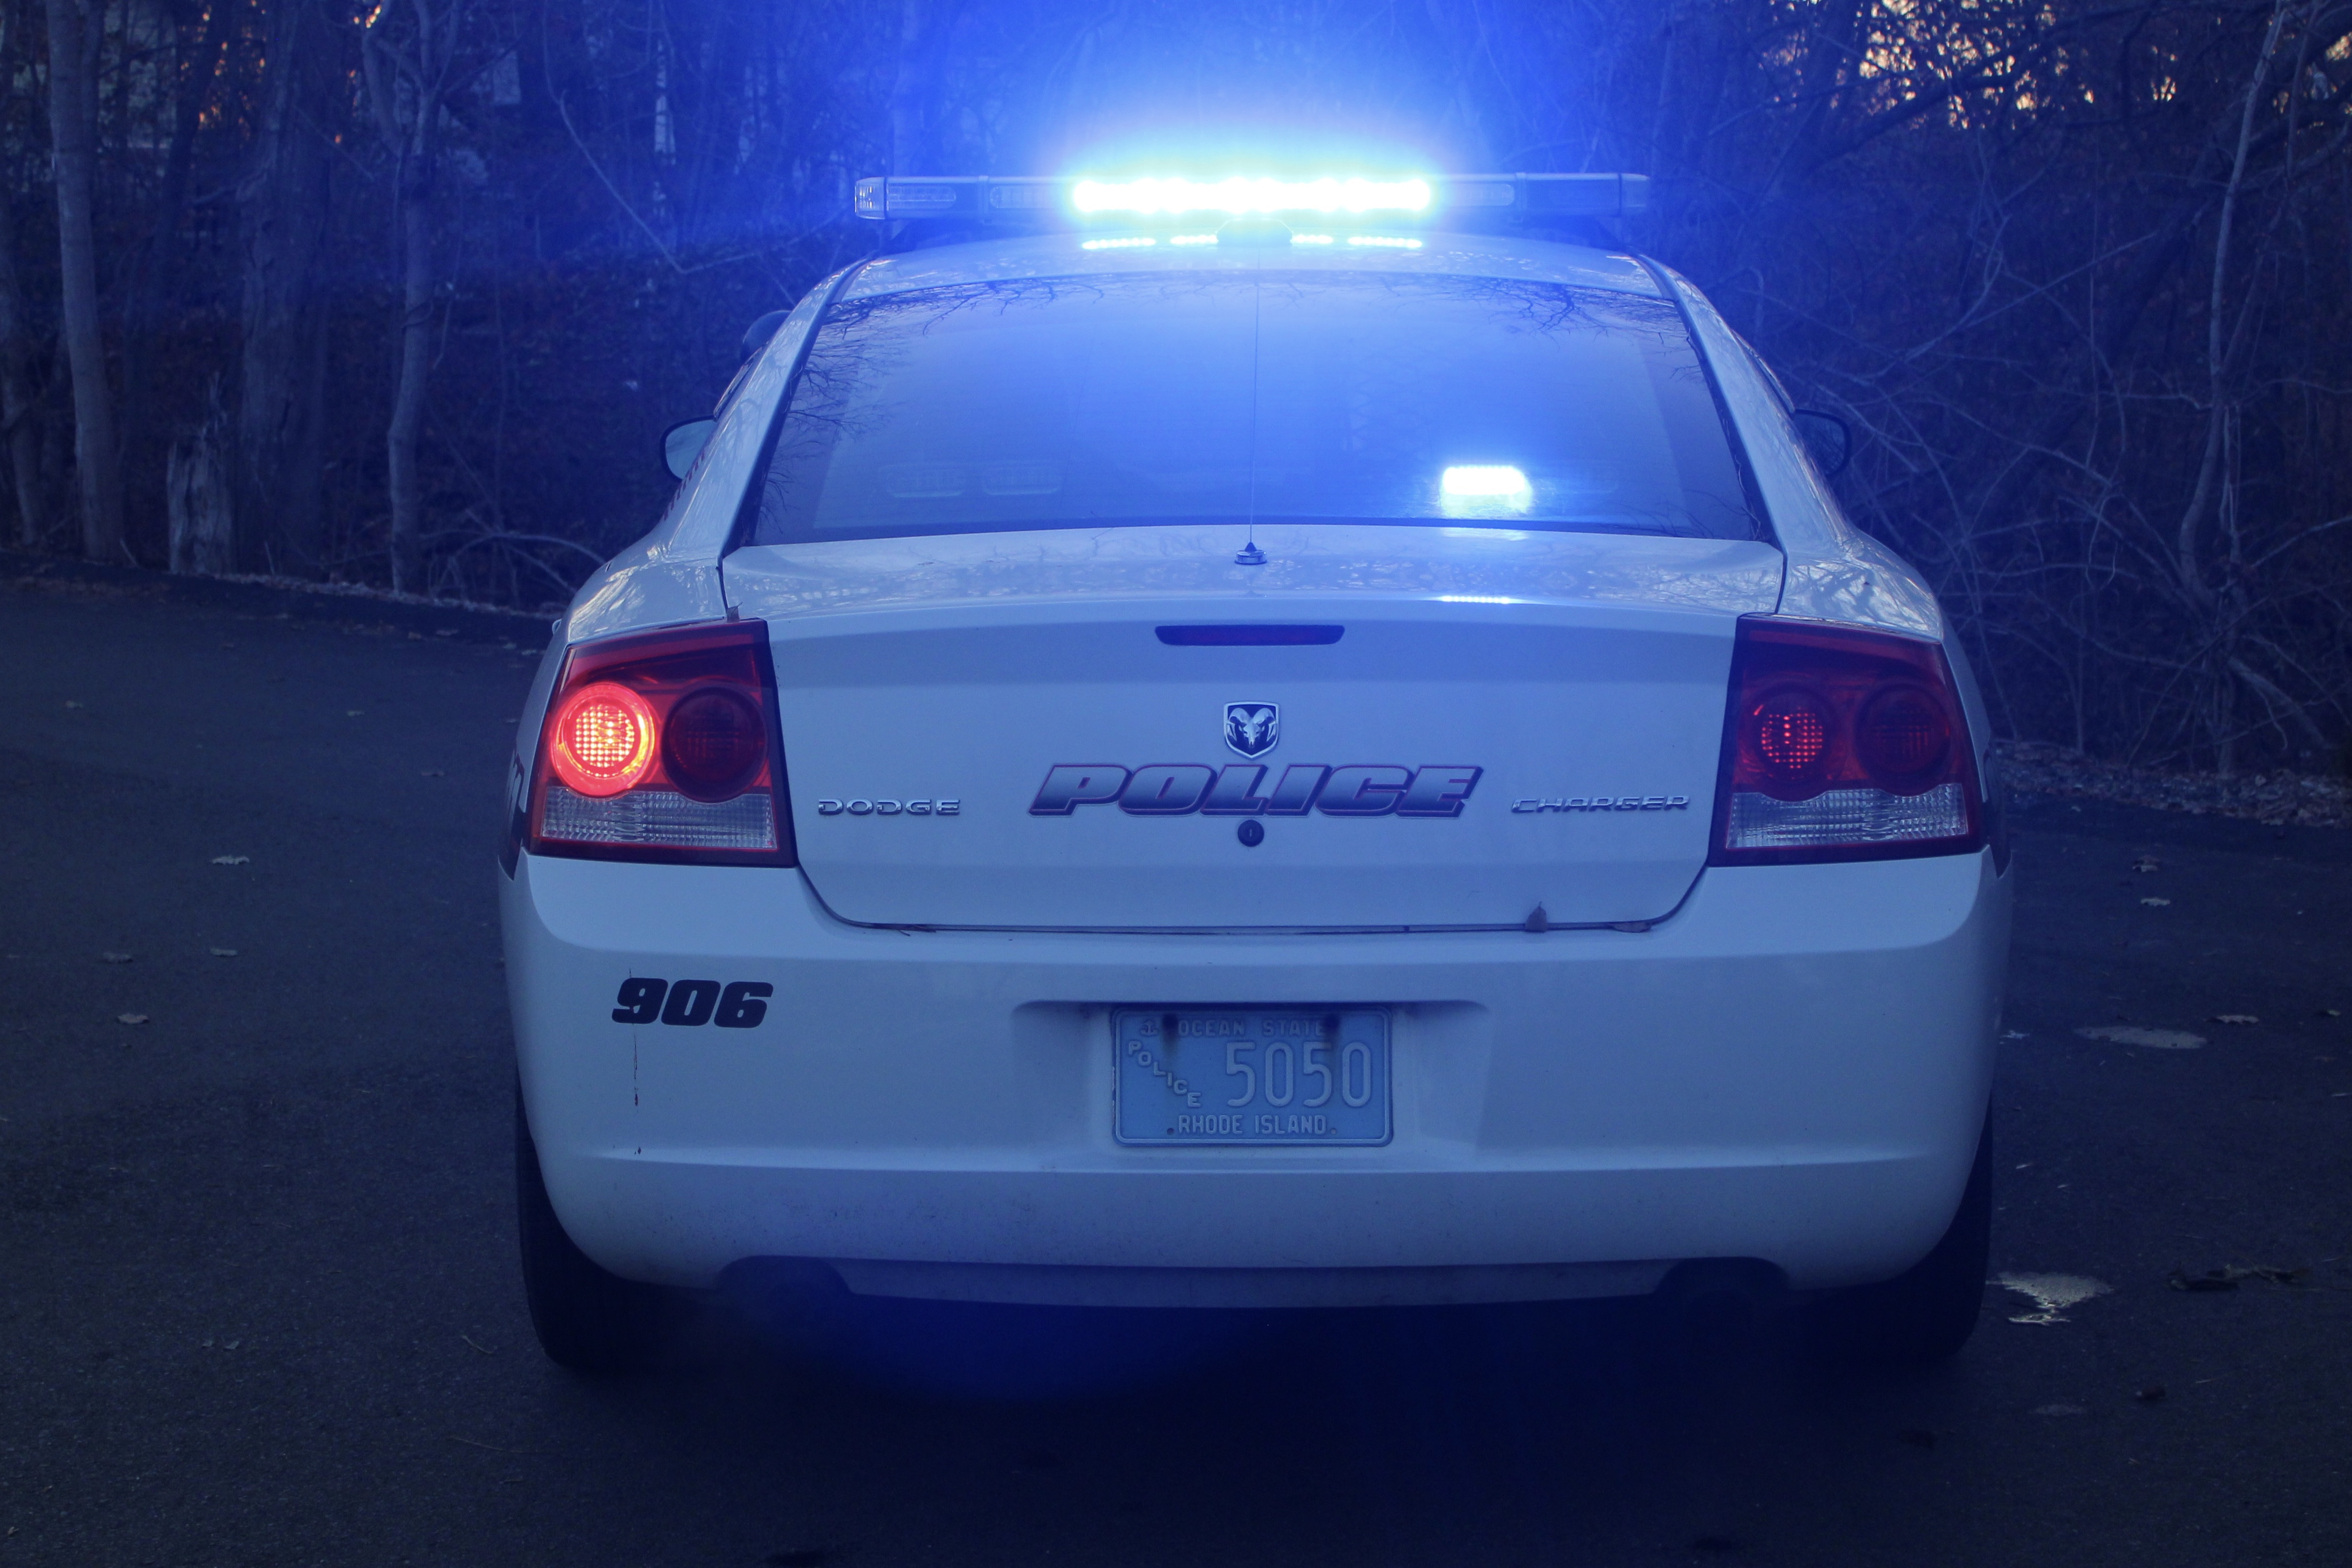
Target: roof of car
(1065, 255)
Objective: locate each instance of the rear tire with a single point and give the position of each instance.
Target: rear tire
(587, 1319)
(1926, 1313)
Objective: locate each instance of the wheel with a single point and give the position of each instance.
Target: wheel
(587, 1319)
(1926, 1313)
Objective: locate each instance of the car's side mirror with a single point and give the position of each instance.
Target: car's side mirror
(1827, 436)
(683, 442)
(756, 335)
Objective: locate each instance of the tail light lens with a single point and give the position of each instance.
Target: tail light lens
(664, 746)
(1842, 744)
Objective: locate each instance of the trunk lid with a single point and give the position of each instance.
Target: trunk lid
(992, 730)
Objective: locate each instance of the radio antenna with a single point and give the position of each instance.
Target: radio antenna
(1250, 554)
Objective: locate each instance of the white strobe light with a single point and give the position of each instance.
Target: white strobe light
(1485, 481)
(1249, 197)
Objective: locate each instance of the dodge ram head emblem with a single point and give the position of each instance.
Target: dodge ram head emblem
(1252, 727)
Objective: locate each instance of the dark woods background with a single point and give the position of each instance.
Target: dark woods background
(403, 293)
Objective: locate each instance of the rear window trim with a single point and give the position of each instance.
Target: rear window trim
(747, 507)
(1754, 493)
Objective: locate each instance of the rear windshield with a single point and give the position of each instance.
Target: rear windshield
(1275, 396)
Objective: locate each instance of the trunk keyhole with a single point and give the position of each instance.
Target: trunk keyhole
(1252, 834)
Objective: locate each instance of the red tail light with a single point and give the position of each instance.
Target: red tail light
(1842, 744)
(663, 746)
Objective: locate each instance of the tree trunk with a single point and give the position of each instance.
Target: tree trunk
(405, 434)
(19, 401)
(279, 482)
(911, 93)
(74, 37)
(153, 283)
(197, 491)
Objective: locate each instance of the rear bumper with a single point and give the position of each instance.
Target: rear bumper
(1794, 1069)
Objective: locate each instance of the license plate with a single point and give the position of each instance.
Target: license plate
(1252, 1075)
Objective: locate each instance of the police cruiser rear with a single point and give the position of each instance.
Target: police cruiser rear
(1254, 743)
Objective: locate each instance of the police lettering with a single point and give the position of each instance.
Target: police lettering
(1244, 789)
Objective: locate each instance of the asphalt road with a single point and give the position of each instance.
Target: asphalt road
(258, 1302)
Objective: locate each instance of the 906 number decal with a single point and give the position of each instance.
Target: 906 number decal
(739, 1005)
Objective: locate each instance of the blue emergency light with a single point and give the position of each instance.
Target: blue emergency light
(1033, 201)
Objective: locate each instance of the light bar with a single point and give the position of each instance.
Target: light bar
(1240, 197)
(1032, 200)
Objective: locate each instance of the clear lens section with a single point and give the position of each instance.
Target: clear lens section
(1845, 816)
(660, 818)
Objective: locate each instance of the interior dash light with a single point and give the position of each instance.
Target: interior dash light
(1484, 479)
(1238, 196)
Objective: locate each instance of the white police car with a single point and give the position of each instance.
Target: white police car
(1255, 746)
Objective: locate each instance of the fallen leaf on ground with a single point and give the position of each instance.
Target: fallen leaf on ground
(2150, 1393)
(2148, 863)
(2213, 1279)
(2016, 1035)
(434, 774)
(2274, 1274)
(354, 712)
(2051, 1294)
(232, 859)
(130, 1017)
(2233, 1018)
(223, 953)
(2156, 1039)
(114, 958)
(2158, 903)
(72, 704)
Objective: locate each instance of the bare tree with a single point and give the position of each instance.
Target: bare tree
(282, 211)
(76, 31)
(200, 31)
(2080, 272)
(410, 51)
(20, 399)
(19, 403)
